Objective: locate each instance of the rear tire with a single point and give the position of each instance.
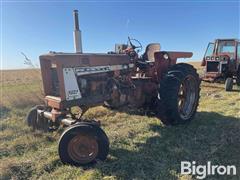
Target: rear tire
(83, 144)
(179, 94)
(229, 84)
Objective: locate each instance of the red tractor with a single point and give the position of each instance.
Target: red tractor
(222, 62)
(116, 79)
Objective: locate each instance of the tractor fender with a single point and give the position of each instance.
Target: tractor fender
(165, 59)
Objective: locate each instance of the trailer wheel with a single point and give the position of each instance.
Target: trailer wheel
(179, 94)
(83, 144)
(229, 84)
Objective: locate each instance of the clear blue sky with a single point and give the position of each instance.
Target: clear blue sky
(38, 27)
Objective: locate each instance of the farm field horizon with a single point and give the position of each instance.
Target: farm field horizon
(141, 146)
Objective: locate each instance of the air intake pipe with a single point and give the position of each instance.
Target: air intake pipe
(77, 33)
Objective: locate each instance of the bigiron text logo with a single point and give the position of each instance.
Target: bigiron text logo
(202, 171)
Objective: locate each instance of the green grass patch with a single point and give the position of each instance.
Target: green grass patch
(141, 147)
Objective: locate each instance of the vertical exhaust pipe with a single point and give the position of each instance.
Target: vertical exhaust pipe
(77, 33)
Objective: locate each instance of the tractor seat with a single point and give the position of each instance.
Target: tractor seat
(144, 64)
(149, 52)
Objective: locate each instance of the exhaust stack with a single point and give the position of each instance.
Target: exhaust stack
(77, 33)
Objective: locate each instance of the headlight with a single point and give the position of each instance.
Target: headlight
(165, 56)
(208, 58)
(217, 58)
(212, 58)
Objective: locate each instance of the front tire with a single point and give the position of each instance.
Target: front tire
(238, 76)
(35, 121)
(179, 94)
(83, 144)
(229, 84)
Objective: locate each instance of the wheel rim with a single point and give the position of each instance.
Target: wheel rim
(187, 97)
(83, 148)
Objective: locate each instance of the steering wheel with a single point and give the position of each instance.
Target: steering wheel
(136, 48)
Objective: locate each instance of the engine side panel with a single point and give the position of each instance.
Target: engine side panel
(81, 78)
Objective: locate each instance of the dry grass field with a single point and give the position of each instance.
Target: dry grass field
(141, 147)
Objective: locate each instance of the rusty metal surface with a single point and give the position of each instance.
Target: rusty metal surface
(187, 96)
(61, 60)
(150, 50)
(53, 101)
(175, 55)
(83, 148)
(97, 90)
(232, 59)
(211, 76)
(234, 65)
(86, 59)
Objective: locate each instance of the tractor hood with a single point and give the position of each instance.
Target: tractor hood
(85, 59)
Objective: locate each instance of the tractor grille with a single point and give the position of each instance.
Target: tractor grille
(212, 66)
(224, 68)
(55, 82)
